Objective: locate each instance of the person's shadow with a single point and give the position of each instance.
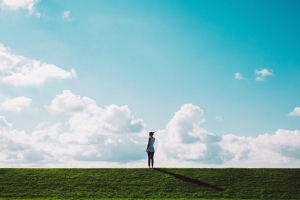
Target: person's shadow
(189, 180)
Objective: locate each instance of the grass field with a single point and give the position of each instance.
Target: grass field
(162, 183)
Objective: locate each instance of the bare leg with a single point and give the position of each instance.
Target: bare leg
(152, 159)
(149, 157)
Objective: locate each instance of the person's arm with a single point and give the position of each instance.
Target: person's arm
(148, 144)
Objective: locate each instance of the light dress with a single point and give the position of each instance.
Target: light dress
(151, 147)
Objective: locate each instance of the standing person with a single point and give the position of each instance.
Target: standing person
(150, 149)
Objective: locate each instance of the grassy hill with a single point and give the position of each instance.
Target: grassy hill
(162, 183)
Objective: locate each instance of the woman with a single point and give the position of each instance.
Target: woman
(150, 149)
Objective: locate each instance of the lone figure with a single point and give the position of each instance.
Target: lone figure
(150, 149)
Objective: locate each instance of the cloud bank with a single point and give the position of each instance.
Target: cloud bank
(19, 71)
(110, 136)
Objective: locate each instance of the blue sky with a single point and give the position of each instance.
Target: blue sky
(235, 63)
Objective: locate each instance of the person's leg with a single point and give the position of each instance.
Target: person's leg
(149, 157)
(152, 159)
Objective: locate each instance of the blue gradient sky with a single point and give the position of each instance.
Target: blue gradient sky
(155, 56)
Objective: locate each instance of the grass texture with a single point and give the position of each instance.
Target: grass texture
(160, 183)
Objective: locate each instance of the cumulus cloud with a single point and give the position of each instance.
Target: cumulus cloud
(95, 134)
(261, 74)
(21, 4)
(111, 136)
(238, 76)
(19, 148)
(281, 147)
(17, 104)
(99, 134)
(67, 103)
(19, 71)
(295, 112)
(185, 140)
(86, 115)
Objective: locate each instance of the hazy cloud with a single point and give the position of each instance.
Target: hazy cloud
(4, 124)
(219, 118)
(19, 71)
(238, 76)
(295, 112)
(66, 15)
(261, 74)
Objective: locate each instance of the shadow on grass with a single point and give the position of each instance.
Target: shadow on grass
(189, 180)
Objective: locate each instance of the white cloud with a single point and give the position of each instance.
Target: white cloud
(261, 74)
(4, 124)
(111, 137)
(21, 4)
(67, 103)
(86, 115)
(7, 59)
(98, 134)
(279, 148)
(185, 140)
(219, 118)
(19, 71)
(17, 104)
(238, 76)
(66, 15)
(295, 112)
(49, 145)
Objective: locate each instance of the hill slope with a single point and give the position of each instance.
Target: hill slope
(174, 183)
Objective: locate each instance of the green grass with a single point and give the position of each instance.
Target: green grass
(163, 183)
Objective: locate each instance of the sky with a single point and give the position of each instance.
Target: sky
(83, 82)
